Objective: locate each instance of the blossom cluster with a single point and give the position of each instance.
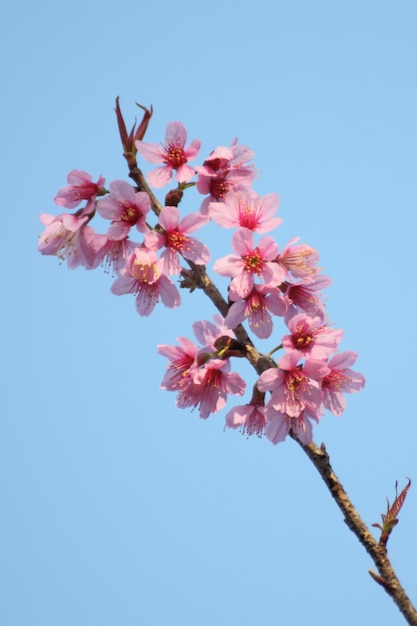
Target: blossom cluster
(266, 282)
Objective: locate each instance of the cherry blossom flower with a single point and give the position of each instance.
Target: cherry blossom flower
(301, 260)
(176, 240)
(243, 208)
(256, 307)
(311, 337)
(251, 417)
(252, 261)
(340, 379)
(179, 375)
(213, 383)
(305, 296)
(125, 208)
(222, 170)
(294, 387)
(68, 237)
(113, 253)
(80, 188)
(201, 378)
(173, 155)
(279, 425)
(143, 277)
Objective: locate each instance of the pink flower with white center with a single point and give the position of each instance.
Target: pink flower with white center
(221, 171)
(243, 208)
(295, 387)
(256, 307)
(68, 237)
(340, 379)
(176, 240)
(179, 374)
(305, 296)
(213, 383)
(174, 155)
(80, 188)
(279, 425)
(253, 261)
(301, 260)
(125, 208)
(311, 337)
(143, 277)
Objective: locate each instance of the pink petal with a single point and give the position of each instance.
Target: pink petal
(169, 217)
(277, 426)
(192, 222)
(242, 241)
(185, 173)
(175, 134)
(169, 293)
(152, 152)
(160, 177)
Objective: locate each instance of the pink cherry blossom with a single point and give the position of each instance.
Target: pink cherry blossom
(279, 425)
(301, 260)
(305, 296)
(201, 378)
(173, 155)
(213, 383)
(125, 208)
(256, 307)
(311, 337)
(250, 261)
(250, 418)
(295, 387)
(113, 253)
(243, 208)
(179, 375)
(176, 240)
(80, 188)
(68, 237)
(340, 379)
(143, 277)
(222, 170)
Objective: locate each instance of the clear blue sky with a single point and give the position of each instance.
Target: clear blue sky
(117, 508)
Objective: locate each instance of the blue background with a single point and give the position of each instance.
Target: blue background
(117, 508)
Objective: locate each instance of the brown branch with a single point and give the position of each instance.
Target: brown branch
(387, 577)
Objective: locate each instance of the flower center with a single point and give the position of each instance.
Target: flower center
(130, 215)
(175, 156)
(248, 213)
(294, 381)
(336, 380)
(219, 188)
(175, 240)
(85, 191)
(253, 262)
(302, 338)
(256, 302)
(144, 273)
